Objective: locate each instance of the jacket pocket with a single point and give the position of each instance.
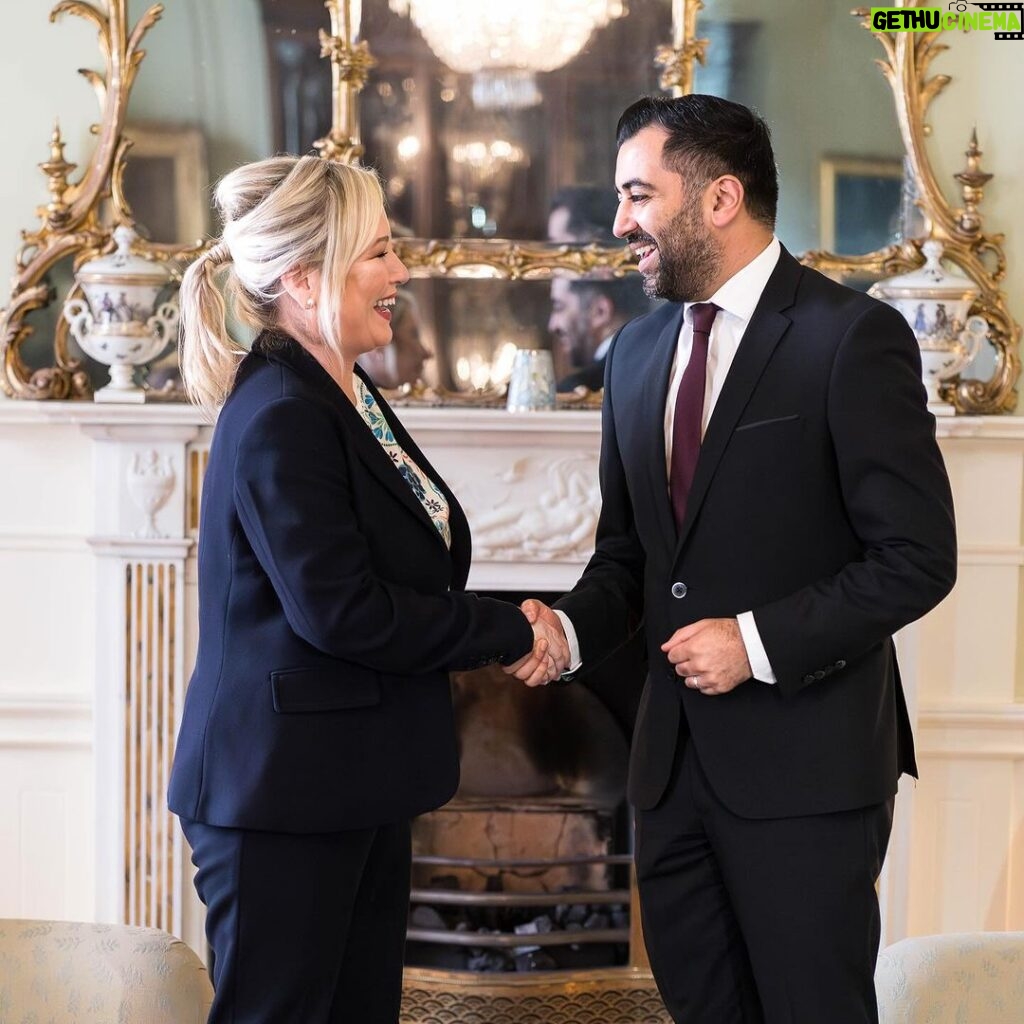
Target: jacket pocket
(766, 423)
(298, 690)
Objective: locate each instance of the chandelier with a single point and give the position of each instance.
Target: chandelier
(507, 40)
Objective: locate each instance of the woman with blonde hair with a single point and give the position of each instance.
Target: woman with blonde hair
(332, 560)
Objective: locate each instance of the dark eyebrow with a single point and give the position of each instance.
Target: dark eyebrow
(626, 186)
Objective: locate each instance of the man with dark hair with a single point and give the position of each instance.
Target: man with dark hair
(775, 508)
(585, 316)
(580, 214)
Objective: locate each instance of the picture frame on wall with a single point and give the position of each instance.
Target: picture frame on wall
(166, 181)
(167, 187)
(860, 203)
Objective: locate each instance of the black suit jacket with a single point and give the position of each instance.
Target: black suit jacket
(820, 502)
(330, 612)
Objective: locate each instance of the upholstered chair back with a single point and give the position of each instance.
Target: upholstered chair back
(79, 973)
(966, 978)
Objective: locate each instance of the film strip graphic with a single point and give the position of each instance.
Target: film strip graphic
(1018, 7)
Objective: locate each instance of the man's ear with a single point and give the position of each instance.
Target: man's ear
(600, 312)
(724, 200)
(302, 285)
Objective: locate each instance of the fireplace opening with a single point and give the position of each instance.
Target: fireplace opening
(527, 868)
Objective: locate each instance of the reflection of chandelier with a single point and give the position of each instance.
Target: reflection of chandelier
(508, 36)
(486, 159)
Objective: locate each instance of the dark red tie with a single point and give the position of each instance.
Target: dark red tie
(690, 411)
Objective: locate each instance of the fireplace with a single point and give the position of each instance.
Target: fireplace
(528, 867)
(522, 901)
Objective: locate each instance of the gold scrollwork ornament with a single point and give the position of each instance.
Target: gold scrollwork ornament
(71, 220)
(908, 57)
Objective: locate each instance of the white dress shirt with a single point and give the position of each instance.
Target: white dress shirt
(736, 300)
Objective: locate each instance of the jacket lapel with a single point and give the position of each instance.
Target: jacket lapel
(763, 333)
(461, 542)
(652, 435)
(369, 450)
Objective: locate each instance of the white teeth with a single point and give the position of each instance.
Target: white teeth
(385, 303)
(643, 251)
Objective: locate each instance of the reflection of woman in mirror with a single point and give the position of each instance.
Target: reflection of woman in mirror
(402, 361)
(332, 561)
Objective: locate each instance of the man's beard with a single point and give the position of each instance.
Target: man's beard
(689, 258)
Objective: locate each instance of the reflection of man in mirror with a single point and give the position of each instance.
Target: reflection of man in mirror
(402, 361)
(582, 213)
(585, 315)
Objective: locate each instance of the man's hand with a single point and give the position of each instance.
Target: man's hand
(710, 655)
(550, 638)
(536, 668)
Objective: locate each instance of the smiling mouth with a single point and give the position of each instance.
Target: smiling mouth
(384, 307)
(644, 251)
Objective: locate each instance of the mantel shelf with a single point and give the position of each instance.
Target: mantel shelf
(476, 422)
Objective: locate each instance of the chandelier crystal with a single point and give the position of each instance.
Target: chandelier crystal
(528, 35)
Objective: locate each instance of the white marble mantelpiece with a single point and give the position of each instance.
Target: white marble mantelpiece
(98, 621)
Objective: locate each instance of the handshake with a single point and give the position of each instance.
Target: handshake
(550, 655)
(710, 656)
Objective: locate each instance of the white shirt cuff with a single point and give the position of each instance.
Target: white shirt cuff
(760, 666)
(572, 640)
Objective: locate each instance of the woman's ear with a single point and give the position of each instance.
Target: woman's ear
(302, 286)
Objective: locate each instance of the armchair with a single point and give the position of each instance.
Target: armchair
(967, 978)
(79, 973)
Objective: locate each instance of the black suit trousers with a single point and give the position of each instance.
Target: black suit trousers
(759, 921)
(304, 929)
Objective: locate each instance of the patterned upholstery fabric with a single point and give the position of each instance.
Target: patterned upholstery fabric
(55, 972)
(971, 978)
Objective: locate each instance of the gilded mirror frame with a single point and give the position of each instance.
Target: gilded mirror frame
(79, 219)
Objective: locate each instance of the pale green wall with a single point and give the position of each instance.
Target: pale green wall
(810, 74)
(207, 64)
(183, 79)
(38, 84)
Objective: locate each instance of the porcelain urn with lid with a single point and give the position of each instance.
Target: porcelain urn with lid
(120, 322)
(935, 302)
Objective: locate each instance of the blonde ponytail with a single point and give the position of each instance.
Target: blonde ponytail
(207, 354)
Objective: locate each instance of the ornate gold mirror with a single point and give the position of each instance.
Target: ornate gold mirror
(473, 156)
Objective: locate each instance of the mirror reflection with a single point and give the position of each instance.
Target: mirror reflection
(484, 154)
(809, 70)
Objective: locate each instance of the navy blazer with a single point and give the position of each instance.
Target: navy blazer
(330, 613)
(820, 502)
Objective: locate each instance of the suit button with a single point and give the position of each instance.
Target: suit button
(840, 663)
(819, 674)
(808, 679)
(679, 590)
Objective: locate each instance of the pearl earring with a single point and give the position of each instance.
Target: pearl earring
(310, 303)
